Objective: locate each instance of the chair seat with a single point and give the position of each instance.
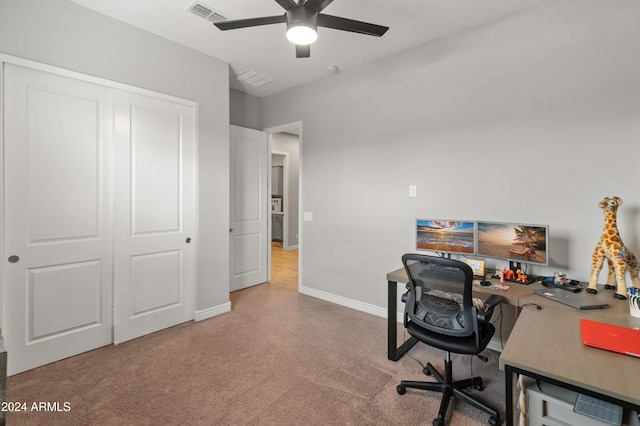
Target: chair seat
(461, 345)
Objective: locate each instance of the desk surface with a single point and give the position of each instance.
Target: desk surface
(519, 294)
(511, 296)
(558, 351)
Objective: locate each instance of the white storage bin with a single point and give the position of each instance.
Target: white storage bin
(550, 405)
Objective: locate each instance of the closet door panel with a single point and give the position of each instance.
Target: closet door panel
(57, 217)
(156, 171)
(155, 208)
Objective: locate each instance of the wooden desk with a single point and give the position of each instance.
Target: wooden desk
(547, 345)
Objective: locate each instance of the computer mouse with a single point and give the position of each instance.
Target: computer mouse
(485, 283)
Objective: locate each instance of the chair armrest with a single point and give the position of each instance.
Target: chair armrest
(489, 304)
(404, 298)
(492, 301)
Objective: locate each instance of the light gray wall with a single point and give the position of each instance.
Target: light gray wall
(286, 142)
(533, 118)
(63, 34)
(244, 110)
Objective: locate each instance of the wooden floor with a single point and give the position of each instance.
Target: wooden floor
(284, 267)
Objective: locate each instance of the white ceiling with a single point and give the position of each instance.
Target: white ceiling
(265, 49)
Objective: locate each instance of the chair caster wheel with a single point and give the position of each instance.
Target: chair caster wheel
(494, 421)
(401, 389)
(438, 422)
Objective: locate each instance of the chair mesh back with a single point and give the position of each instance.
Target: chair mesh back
(440, 312)
(440, 290)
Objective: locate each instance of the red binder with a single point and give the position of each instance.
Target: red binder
(610, 337)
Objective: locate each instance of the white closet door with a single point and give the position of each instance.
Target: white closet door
(154, 214)
(57, 217)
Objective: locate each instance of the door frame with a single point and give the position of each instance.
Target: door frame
(27, 63)
(297, 126)
(285, 190)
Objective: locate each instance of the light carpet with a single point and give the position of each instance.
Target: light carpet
(278, 358)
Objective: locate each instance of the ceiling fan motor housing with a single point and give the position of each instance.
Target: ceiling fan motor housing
(302, 21)
(302, 15)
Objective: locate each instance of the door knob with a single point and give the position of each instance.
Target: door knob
(13, 259)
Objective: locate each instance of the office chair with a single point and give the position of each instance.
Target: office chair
(441, 312)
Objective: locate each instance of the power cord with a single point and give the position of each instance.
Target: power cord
(404, 338)
(519, 307)
(538, 307)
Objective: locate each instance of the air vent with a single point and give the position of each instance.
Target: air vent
(254, 78)
(205, 12)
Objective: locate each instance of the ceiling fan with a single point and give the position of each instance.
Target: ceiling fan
(303, 17)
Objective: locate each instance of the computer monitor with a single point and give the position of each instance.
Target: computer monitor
(515, 242)
(445, 236)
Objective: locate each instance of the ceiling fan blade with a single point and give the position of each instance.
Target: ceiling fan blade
(318, 5)
(303, 51)
(344, 24)
(287, 4)
(251, 22)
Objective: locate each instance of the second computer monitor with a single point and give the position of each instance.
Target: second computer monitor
(513, 241)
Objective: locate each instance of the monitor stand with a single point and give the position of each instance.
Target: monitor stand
(514, 266)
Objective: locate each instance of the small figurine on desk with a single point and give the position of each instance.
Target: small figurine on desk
(508, 274)
(610, 247)
(559, 278)
(521, 277)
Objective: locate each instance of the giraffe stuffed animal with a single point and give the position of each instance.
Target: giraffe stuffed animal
(611, 248)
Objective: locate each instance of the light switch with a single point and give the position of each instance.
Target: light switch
(307, 216)
(412, 190)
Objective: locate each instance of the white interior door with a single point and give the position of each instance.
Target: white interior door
(57, 217)
(249, 216)
(154, 214)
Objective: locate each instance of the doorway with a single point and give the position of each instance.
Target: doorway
(284, 143)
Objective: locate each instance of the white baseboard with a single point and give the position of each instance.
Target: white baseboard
(212, 312)
(495, 344)
(344, 301)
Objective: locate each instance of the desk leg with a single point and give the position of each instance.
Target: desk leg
(395, 353)
(509, 375)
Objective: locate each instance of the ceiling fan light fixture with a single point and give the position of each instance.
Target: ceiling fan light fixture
(303, 17)
(302, 33)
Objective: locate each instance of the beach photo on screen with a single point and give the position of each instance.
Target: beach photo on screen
(513, 241)
(446, 236)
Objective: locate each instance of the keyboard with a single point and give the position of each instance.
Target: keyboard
(598, 409)
(443, 273)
